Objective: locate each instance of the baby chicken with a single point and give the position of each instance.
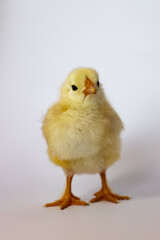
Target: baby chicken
(82, 132)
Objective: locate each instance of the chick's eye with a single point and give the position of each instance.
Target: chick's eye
(98, 83)
(74, 88)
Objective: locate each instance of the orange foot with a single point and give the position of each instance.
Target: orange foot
(106, 195)
(66, 201)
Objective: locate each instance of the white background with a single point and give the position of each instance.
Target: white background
(41, 41)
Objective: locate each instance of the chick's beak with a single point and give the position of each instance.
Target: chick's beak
(89, 87)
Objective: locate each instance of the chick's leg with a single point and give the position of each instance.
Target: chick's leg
(105, 194)
(68, 198)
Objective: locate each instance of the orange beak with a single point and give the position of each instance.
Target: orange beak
(89, 87)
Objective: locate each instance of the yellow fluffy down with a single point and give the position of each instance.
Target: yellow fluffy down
(82, 134)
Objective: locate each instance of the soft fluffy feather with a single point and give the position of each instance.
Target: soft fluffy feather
(83, 134)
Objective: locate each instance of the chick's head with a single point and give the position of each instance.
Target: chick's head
(82, 87)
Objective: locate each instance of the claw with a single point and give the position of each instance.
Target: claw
(120, 197)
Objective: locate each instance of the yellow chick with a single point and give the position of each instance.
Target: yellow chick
(82, 132)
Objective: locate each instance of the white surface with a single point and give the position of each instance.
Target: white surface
(134, 220)
(41, 41)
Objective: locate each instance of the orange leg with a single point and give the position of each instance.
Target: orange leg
(68, 198)
(105, 194)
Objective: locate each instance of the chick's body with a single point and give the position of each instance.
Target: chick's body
(82, 130)
(83, 140)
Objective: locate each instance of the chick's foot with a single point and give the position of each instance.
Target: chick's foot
(66, 201)
(107, 195)
(68, 198)
(104, 195)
